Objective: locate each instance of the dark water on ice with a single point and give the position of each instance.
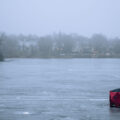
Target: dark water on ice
(58, 89)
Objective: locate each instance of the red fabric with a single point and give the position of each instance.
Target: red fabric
(115, 98)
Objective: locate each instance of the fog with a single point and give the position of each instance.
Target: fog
(49, 66)
(59, 45)
(41, 17)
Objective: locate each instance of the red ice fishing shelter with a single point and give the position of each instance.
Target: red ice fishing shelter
(115, 98)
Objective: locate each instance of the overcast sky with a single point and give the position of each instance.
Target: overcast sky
(42, 17)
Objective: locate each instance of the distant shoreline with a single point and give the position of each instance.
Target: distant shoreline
(64, 58)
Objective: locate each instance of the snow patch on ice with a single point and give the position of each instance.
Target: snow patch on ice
(23, 112)
(26, 113)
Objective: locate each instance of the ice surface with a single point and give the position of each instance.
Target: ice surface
(58, 89)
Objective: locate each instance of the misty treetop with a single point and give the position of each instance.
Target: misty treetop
(58, 46)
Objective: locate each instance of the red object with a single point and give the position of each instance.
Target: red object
(115, 98)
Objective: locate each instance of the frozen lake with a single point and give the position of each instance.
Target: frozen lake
(58, 89)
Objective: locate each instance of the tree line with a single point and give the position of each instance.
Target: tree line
(58, 45)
